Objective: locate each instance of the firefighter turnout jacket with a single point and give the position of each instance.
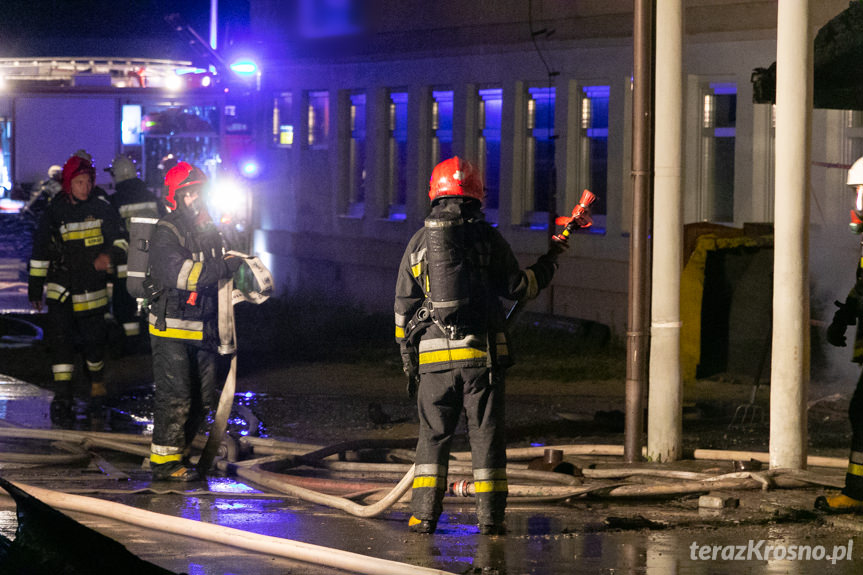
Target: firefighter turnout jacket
(68, 239)
(131, 198)
(186, 263)
(493, 272)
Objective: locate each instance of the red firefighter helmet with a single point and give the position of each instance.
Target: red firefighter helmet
(182, 176)
(75, 166)
(455, 178)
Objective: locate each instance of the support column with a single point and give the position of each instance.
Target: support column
(637, 334)
(789, 380)
(665, 404)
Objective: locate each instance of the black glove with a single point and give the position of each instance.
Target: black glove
(410, 365)
(232, 264)
(842, 318)
(412, 386)
(836, 334)
(558, 246)
(544, 268)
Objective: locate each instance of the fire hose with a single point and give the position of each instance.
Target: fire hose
(257, 287)
(290, 549)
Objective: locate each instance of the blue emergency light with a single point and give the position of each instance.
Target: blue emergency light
(244, 68)
(250, 168)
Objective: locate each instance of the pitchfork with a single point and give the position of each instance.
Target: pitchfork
(750, 414)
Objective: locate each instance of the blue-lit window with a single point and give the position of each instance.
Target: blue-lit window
(488, 145)
(539, 156)
(357, 156)
(283, 127)
(718, 135)
(319, 119)
(397, 120)
(130, 125)
(441, 126)
(5, 154)
(593, 149)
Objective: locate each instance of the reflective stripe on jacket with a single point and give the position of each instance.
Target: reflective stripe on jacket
(187, 263)
(69, 238)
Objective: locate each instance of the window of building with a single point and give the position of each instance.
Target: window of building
(716, 169)
(397, 120)
(441, 125)
(130, 125)
(319, 119)
(593, 149)
(282, 133)
(357, 156)
(5, 155)
(763, 161)
(489, 116)
(539, 156)
(177, 133)
(853, 125)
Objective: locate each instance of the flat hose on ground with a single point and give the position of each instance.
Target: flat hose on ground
(279, 482)
(287, 548)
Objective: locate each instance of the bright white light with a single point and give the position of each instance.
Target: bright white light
(228, 197)
(205, 81)
(244, 67)
(174, 83)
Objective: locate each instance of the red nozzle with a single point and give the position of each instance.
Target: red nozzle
(580, 212)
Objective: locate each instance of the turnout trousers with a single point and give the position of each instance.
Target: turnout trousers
(66, 332)
(441, 398)
(854, 475)
(185, 377)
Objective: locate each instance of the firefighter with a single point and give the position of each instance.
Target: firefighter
(78, 238)
(450, 325)
(44, 192)
(187, 260)
(850, 312)
(131, 198)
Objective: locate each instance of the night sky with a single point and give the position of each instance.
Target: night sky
(106, 27)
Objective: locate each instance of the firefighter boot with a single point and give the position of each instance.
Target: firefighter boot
(839, 503)
(96, 405)
(174, 471)
(62, 409)
(490, 512)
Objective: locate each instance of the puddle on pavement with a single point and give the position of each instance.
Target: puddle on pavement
(792, 549)
(24, 404)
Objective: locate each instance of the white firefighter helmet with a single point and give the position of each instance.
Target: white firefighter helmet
(855, 173)
(122, 169)
(55, 172)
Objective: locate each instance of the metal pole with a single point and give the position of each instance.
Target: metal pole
(214, 24)
(637, 337)
(789, 379)
(665, 403)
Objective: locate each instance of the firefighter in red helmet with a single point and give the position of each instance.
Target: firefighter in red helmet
(187, 260)
(450, 325)
(79, 237)
(850, 312)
